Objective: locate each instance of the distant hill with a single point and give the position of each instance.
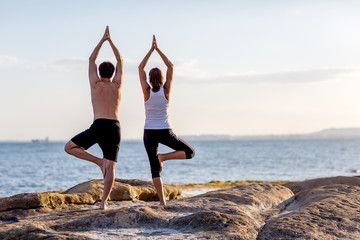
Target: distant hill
(338, 133)
(330, 133)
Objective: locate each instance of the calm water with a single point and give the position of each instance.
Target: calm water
(38, 167)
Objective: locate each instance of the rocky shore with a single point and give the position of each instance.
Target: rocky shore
(326, 208)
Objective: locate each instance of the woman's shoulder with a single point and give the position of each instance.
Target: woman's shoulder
(156, 90)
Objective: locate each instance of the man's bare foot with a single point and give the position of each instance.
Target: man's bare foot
(161, 161)
(103, 206)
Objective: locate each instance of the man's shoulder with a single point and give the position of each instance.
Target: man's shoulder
(102, 86)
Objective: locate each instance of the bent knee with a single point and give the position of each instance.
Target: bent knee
(69, 147)
(190, 153)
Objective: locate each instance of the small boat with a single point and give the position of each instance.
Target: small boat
(40, 140)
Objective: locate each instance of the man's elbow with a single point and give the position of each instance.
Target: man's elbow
(92, 59)
(119, 58)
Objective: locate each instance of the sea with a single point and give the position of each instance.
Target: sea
(44, 166)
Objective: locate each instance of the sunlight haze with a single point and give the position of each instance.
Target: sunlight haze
(240, 67)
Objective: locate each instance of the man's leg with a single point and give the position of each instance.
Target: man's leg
(109, 142)
(109, 178)
(73, 149)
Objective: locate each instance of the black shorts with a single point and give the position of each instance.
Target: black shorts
(106, 133)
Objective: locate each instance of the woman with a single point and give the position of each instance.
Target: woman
(157, 128)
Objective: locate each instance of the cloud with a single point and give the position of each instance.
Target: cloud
(182, 67)
(69, 64)
(8, 60)
(189, 68)
(185, 68)
(61, 65)
(298, 76)
(186, 63)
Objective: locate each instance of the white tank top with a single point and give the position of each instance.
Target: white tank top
(156, 111)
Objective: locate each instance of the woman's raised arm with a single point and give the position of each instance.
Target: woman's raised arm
(169, 72)
(142, 74)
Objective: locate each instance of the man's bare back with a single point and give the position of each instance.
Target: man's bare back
(105, 98)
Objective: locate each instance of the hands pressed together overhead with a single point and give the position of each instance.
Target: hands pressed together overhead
(106, 36)
(154, 43)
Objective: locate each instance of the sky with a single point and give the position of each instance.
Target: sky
(240, 67)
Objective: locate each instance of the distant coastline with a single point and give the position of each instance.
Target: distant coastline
(330, 134)
(326, 134)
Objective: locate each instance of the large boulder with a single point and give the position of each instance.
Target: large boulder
(124, 189)
(87, 193)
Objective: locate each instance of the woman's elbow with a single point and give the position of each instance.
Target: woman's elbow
(170, 65)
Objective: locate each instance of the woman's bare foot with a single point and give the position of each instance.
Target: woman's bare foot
(162, 204)
(161, 161)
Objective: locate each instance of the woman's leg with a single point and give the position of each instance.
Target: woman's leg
(151, 145)
(170, 156)
(160, 190)
(183, 150)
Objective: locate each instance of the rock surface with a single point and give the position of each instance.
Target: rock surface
(327, 208)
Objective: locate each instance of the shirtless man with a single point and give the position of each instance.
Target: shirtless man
(105, 130)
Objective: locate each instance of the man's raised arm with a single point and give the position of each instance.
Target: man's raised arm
(118, 77)
(93, 75)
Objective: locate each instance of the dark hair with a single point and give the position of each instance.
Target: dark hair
(155, 78)
(106, 69)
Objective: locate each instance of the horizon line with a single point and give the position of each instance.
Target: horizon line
(219, 136)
